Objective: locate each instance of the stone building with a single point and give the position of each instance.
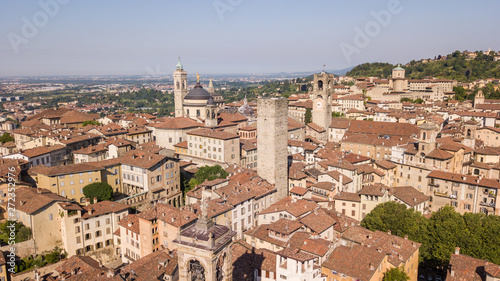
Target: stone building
(322, 99)
(203, 250)
(272, 160)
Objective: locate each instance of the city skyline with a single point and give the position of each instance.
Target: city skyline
(53, 37)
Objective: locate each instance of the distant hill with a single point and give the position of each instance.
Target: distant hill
(460, 66)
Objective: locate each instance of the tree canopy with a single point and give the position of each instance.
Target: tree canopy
(23, 233)
(101, 190)
(6, 137)
(454, 66)
(308, 116)
(206, 173)
(396, 274)
(477, 235)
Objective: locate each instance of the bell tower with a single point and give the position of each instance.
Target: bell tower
(180, 88)
(211, 114)
(322, 100)
(203, 250)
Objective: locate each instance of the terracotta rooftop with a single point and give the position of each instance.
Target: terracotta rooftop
(151, 267)
(41, 150)
(65, 169)
(468, 179)
(348, 196)
(31, 200)
(357, 262)
(285, 226)
(409, 195)
(399, 249)
(102, 208)
(208, 133)
(296, 208)
(318, 221)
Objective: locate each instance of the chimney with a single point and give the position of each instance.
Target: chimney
(39, 190)
(457, 250)
(370, 265)
(87, 201)
(211, 240)
(110, 273)
(406, 237)
(95, 200)
(389, 231)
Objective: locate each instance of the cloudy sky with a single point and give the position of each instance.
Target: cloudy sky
(122, 37)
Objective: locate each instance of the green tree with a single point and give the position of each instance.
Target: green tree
(397, 218)
(22, 233)
(396, 274)
(308, 116)
(419, 101)
(55, 255)
(93, 122)
(206, 173)
(6, 137)
(101, 190)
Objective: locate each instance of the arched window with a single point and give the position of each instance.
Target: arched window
(320, 85)
(196, 271)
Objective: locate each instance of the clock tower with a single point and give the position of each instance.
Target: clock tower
(180, 89)
(322, 100)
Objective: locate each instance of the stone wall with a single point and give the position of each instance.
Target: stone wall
(272, 141)
(23, 249)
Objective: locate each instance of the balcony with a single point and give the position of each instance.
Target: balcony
(492, 195)
(441, 194)
(486, 204)
(433, 184)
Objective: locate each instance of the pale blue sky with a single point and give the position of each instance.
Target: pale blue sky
(87, 37)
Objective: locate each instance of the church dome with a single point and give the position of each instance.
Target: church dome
(246, 109)
(398, 68)
(211, 101)
(198, 93)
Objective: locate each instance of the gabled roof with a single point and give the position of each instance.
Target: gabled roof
(357, 262)
(31, 200)
(439, 154)
(65, 169)
(176, 123)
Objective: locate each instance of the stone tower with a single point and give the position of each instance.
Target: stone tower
(272, 141)
(479, 98)
(211, 114)
(322, 100)
(180, 88)
(211, 88)
(204, 250)
(428, 135)
(398, 72)
(398, 79)
(470, 128)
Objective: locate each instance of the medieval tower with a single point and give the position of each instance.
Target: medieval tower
(204, 250)
(211, 113)
(399, 82)
(322, 100)
(180, 88)
(272, 140)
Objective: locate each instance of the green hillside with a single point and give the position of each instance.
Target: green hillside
(453, 66)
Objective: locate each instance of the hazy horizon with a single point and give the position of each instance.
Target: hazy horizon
(83, 38)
